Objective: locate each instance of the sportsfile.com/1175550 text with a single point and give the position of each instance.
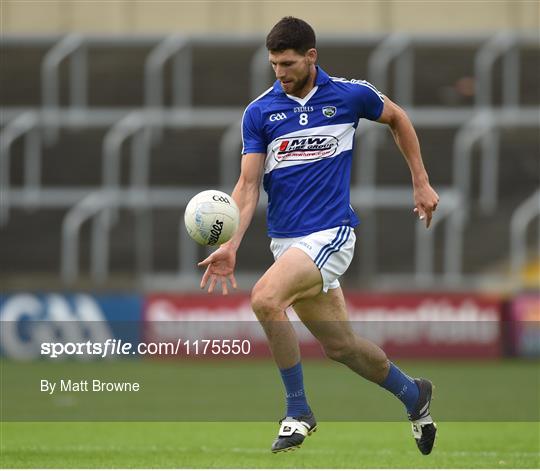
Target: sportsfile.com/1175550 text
(116, 347)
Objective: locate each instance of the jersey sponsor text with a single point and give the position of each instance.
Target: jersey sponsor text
(305, 147)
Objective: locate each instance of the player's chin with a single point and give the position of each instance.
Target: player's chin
(288, 87)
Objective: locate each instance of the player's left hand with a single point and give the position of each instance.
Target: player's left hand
(426, 200)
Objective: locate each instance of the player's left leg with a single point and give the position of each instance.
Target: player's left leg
(326, 317)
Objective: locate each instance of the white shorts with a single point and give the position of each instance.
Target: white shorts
(331, 250)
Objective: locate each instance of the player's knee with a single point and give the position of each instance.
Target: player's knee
(263, 304)
(339, 351)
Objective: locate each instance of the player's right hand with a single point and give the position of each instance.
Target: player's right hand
(219, 268)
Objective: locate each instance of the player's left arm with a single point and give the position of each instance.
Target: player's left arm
(425, 197)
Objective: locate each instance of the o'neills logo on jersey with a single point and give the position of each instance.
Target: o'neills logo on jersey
(305, 147)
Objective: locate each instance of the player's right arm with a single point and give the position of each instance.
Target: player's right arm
(246, 194)
(220, 264)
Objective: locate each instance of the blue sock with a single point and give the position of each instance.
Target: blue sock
(402, 386)
(293, 379)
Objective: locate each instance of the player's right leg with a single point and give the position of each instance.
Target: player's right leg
(292, 277)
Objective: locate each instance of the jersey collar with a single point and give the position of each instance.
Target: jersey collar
(322, 77)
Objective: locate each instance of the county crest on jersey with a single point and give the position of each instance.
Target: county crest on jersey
(308, 144)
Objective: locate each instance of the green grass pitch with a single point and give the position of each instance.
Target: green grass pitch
(487, 413)
(246, 445)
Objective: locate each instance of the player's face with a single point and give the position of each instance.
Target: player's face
(294, 70)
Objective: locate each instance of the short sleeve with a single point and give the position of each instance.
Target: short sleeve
(368, 100)
(252, 133)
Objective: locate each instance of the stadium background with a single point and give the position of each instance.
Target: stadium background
(115, 113)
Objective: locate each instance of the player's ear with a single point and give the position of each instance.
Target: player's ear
(311, 55)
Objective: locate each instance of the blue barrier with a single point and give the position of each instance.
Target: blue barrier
(29, 319)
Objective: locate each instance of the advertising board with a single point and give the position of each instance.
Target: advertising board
(404, 325)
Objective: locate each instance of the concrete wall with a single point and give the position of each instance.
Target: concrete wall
(130, 16)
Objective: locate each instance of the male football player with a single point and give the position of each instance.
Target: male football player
(298, 139)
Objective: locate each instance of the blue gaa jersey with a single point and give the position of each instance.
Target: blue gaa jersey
(308, 144)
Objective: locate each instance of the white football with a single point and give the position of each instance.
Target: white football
(211, 217)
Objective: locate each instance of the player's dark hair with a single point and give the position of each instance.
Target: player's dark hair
(291, 33)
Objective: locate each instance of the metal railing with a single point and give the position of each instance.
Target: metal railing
(70, 45)
(386, 49)
(503, 44)
(479, 124)
(484, 127)
(100, 202)
(173, 46)
(137, 125)
(395, 47)
(24, 126)
(139, 181)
